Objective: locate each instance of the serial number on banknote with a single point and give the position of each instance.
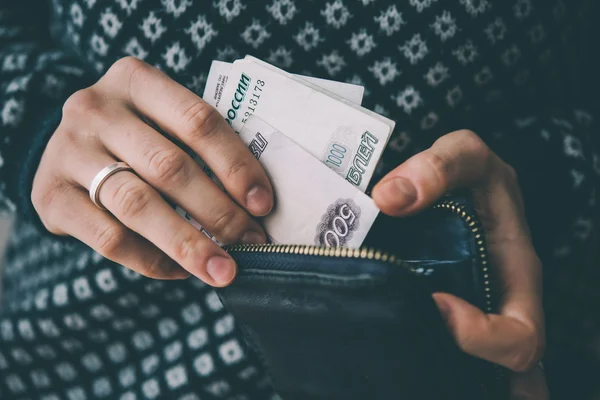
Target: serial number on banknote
(253, 101)
(239, 97)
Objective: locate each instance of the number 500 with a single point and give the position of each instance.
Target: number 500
(339, 227)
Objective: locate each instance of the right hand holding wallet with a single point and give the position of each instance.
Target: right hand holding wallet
(355, 324)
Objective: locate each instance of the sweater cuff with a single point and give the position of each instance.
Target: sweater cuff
(41, 133)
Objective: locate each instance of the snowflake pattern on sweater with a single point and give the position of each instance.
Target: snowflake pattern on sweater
(77, 326)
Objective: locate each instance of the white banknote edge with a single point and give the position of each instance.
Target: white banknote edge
(311, 85)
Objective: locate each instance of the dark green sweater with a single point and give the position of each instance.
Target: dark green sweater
(523, 74)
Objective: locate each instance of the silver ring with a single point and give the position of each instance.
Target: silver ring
(101, 177)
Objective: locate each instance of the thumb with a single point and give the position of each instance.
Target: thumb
(457, 159)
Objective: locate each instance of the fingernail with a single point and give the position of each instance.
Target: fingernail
(252, 237)
(400, 191)
(259, 201)
(221, 270)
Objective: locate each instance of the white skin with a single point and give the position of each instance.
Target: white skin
(104, 123)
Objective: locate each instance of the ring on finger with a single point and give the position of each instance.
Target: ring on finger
(101, 177)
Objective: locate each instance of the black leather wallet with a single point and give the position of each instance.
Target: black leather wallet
(336, 323)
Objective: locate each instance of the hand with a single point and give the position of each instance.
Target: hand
(101, 125)
(515, 337)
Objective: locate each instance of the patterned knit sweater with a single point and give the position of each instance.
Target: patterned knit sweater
(520, 73)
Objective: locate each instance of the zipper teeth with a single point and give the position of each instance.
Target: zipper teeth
(378, 255)
(310, 250)
(481, 248)
(373, 254)
(473, 223)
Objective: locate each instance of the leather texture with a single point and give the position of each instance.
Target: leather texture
(345, 328)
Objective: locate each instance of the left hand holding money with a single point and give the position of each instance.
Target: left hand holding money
(515, 337)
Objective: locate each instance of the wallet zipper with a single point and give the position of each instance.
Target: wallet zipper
(474, 224)
(481, 248)
(369, 253)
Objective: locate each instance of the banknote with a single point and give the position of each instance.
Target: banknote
(347, 138)
(219, 75)
(331, 93)
(312, 204)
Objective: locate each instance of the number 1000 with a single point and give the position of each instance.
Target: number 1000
(336, 155)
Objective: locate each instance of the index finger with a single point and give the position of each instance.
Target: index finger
(185, 116)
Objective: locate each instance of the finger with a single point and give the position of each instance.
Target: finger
(520, 271)
(173, 173)
(529, 385)
(501, 339)
(182, 114)
(141, 208)
(80, 218)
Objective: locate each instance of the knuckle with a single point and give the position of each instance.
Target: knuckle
(469, 335)
(168, 166)
(66, 136)
(202, 120)
(108, 239)
(472, 141)
(227, 225)
(157, 268)
(530, 353)
(474, 144)
(44, 198)
(439, 167)
(465, 135)
(184, 247)
(522, 362)
(237, 167)
(125, 67)
(131, 198)
(126, 71)
(82, 102)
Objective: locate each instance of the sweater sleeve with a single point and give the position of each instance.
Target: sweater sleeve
(36, 76)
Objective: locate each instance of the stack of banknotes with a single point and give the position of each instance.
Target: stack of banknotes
(316, 143)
